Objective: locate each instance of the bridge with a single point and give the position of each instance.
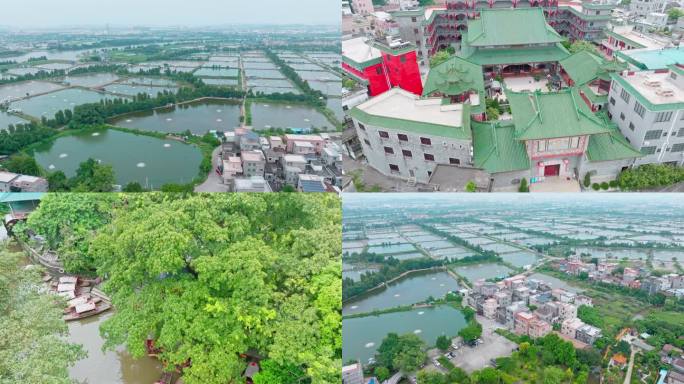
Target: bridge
(394, 379)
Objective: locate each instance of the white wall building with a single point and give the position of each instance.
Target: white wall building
(648, 106)
(405, 136)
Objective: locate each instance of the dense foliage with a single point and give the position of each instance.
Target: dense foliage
(33, 349)
(17, 136)
(650, 176)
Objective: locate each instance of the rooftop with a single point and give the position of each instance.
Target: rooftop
(454, 77)
(294, 137)
(6, 177)
(402, 110)
(495, 148)
(653, 58)
(520, 26)
(583, 67)
(359, 52)
(637, 39)
(252, 156)
(654, 88)
(552, 115)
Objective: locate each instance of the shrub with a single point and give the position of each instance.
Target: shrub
(523, 186)
(587, 180)
(604, 186)
(595, 186)
(613, 183)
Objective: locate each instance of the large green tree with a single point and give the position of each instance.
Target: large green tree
(33, 349)
(208, 277)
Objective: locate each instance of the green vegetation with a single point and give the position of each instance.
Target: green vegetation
(581, 45)
(22, 163)
(523, 185)
(439, 57)
(32, 334)
(443, 343)
(470, 186)
(405, 352)
(211, 276)
(650, 176)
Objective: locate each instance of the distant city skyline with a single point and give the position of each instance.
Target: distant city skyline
(57, 13)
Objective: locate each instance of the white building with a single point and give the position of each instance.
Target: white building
(253, 163)
(363, 7)
(405, 136)
(642, 8)
(648, 106)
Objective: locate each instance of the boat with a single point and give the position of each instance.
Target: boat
(87, 309)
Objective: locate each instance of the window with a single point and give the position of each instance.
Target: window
(362, 127)
(378, 70)
(673, 76)
(648, 150)
(407, 153)
(429, 157)
(681, 132)
(639, 109)
(663, 116)
(367, 143)
(413, 19)
(415, 30)
(624, 95)
(654, 134)
(389, 151)
(383, 134)
(454, 161)
(425, 141)
(612, 101)
(402, 58)
(394, 168)
(402, 137)
(574, 142)
(679, 147)
(622, 116)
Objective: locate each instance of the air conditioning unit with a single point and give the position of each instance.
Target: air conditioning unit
(665, 92)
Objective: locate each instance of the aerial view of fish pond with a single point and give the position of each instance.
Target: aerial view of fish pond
(143, 108)
(467, 288)
(170, 288)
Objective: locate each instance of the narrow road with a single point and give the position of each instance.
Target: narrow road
(214, 182)
(628, 376)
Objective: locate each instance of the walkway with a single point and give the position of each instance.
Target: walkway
(556, 184)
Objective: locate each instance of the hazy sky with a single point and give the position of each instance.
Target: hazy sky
(54, 13)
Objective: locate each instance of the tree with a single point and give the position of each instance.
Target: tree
(133, 187)
(58, 182)
(492, 114)
(430, 377)
(675, 13)
(33, 346)
(439, 57)
(553, 375)
(208, 277)
(443, 342)
(382, 373)
(587, 180)
(523, 185)
(582, 45)
(488, 375)
(471, 332)
(274, 373)
(471, 186)
(91, 176)
(403, 352)
(24, 164)
(67, 220)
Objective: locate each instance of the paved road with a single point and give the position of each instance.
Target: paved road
(214, 181)
(628, 376)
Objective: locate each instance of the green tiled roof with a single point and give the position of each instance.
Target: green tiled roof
(584, 66)
(511, 27)
(416, 126)
(495, 148)
(644, 101)
(593, 97)
(516, 55)
(610, 146)
(454, 77)
(540, 115)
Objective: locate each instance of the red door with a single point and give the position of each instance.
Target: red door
(552, 170)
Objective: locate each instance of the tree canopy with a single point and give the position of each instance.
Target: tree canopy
(33, 349)
(209, 277)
